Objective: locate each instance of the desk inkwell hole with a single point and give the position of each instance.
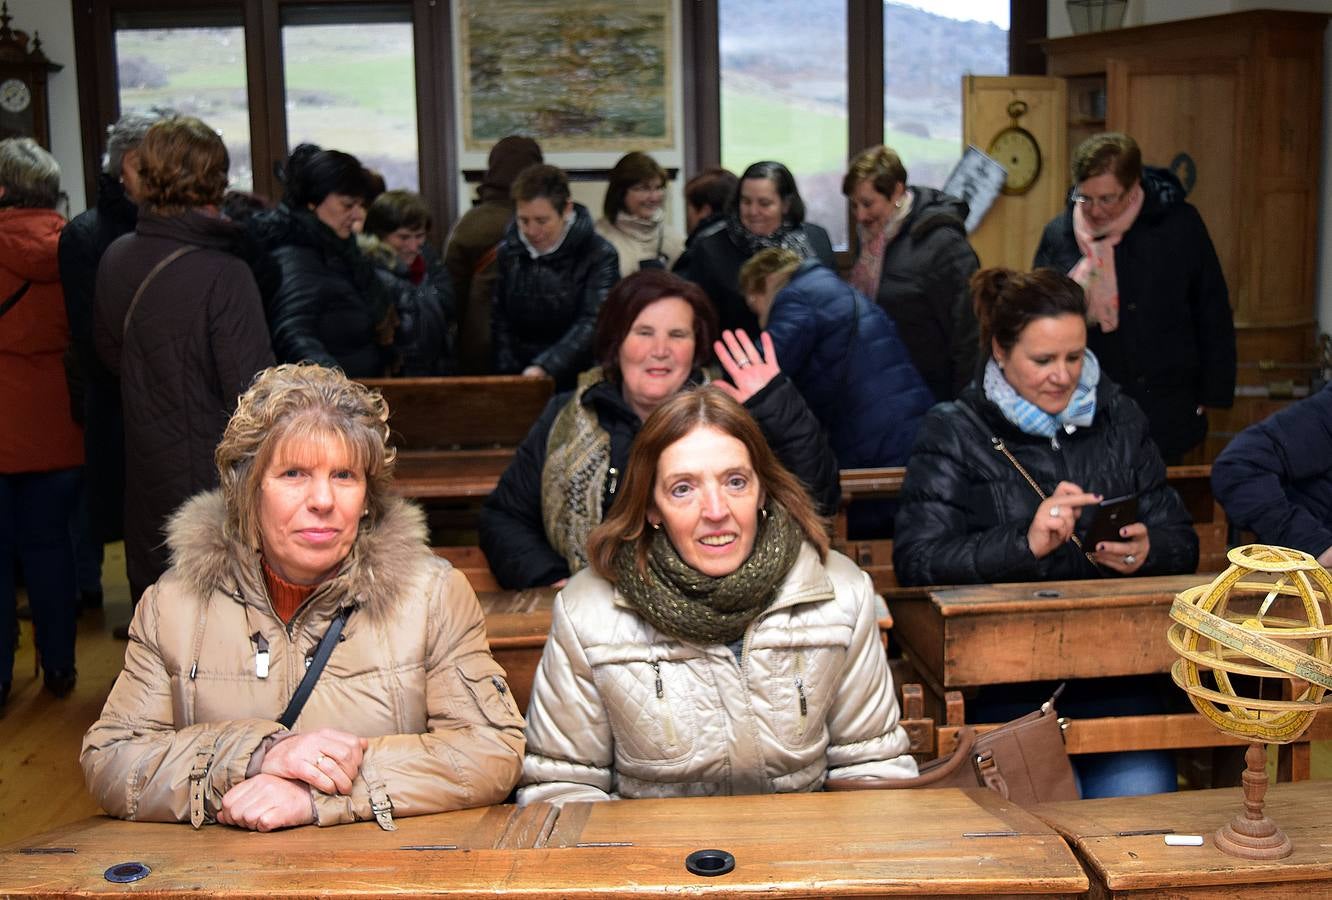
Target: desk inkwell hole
(1046, 593)
(124, 873)
(709, 863)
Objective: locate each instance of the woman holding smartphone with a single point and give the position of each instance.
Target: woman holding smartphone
(1004, 484)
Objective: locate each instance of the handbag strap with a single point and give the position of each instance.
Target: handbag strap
(999, 445)
(153, 273)
(316, 667)
(15, 297)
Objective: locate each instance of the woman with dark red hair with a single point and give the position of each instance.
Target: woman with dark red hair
(653, 335)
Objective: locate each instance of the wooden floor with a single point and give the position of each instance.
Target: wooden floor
(41, 785)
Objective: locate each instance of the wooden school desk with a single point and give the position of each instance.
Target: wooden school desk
(857, 844)
(958, 638)
(1142, 866)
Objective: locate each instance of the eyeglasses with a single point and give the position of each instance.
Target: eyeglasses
(1105, 201)
(645, 187)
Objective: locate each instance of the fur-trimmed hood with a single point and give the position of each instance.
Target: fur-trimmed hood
(387, 555)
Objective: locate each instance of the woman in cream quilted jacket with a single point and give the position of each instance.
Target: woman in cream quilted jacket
(715, 645)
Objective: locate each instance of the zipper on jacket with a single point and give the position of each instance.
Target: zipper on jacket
(800, 692)
(667, 722)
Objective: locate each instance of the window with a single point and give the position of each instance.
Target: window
(928, 45)
(198, 72)
(784, 97)
(372, 77)
(352, 87)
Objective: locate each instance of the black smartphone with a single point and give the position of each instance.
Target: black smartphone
(1111, 514)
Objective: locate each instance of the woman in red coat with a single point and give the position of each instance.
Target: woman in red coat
(41, 456)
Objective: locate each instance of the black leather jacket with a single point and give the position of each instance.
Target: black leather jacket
(966, 509)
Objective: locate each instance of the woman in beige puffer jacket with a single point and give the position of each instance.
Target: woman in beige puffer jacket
(211, 665)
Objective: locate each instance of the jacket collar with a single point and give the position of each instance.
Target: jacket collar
(385, 556)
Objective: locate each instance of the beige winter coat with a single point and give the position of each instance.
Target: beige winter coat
(635, 240)
(412, 673)
(619, 709)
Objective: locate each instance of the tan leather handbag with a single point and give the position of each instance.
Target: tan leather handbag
(1023, 760)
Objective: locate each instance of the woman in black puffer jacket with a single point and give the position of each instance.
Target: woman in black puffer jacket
(969, 515)
(325, 302)
(554, 274)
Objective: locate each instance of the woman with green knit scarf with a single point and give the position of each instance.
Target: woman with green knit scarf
(714, 645)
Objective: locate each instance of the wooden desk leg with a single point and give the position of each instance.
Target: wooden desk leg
(954, 708)
(1294, 761)
(920, 730)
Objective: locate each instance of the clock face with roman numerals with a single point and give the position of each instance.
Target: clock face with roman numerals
(15, 96)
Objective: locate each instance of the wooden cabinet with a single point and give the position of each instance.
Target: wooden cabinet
(1233, 105)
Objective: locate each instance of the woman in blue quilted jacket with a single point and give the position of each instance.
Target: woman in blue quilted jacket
(845, 356)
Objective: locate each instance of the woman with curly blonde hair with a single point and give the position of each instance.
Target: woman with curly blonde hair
(179, 320)
(304, 552)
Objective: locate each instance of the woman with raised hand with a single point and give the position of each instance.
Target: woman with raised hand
(652, 338)
(304, 552)
(715, 645)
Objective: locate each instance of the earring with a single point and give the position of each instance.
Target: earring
(763, 512)
(897, 204)
(365, 512)
(656, 526)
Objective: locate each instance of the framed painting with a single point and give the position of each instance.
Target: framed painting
(592, 76)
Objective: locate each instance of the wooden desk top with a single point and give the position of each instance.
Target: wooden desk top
(862, 844)
(1004, 633)
(1143, 866)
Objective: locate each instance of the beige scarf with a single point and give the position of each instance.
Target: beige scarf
(1095, 271)
(573, 479)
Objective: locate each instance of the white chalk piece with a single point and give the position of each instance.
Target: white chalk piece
(1184, 840)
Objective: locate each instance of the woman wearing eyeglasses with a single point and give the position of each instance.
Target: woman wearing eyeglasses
(634, 220)
(1158, 313)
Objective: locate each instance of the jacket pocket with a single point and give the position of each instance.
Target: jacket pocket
(796, 681)
(483, 679)
(650, 701)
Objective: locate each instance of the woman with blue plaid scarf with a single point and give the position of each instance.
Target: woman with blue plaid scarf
(1003, 483)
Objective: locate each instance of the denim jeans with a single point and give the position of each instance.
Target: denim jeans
(35, 511)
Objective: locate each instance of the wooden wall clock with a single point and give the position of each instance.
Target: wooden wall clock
(24, 109)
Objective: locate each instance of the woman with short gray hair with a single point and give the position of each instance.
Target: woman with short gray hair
(41, 455)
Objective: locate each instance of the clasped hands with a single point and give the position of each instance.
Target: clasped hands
(327, 760)
(1056, 517)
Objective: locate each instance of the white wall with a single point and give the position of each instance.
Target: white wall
(1150, 12)
(53, 21)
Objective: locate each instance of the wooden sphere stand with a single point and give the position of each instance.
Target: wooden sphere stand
(1251, 834)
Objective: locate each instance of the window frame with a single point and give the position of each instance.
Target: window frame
(261, 20)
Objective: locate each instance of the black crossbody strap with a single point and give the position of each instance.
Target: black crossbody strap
(312, 672)
(15, 297)
(999, 446)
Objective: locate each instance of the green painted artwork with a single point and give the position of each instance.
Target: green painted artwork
(592, 76)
